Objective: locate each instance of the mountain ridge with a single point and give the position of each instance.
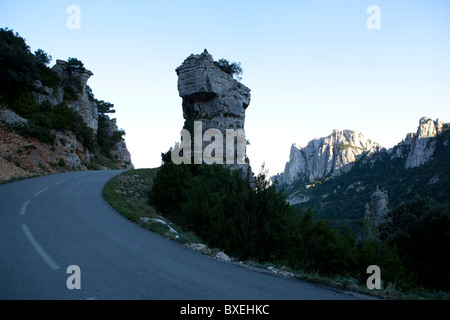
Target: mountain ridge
(330, 155)
(397, 174)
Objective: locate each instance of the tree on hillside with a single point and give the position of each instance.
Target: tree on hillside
(104, 108)
(17, 64)
(73, 64)
(233, 68)
(43, 57)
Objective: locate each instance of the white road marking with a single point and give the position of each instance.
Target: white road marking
(44, 255)
(38, 193)
(24, 207)
(61, 182)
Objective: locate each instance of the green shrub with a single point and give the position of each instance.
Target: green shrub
(73, 64)
(25, 106)
(61, 163)
(233, 68)
(70, 94)
(18, 65)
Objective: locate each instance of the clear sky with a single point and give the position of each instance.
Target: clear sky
(312, 66)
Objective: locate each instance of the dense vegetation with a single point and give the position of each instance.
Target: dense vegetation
(420, 230)
(253, 221)
(20, 69)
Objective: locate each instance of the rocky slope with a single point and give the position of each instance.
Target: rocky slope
(24, 157)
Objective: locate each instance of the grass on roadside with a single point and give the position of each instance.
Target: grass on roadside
(128, 194)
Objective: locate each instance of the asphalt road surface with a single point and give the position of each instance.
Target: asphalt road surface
(51, 223)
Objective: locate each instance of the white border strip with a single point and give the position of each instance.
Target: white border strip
(61, 182)
(24, 207)
(38, 193)
(44, 255)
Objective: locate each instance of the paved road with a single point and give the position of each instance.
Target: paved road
(50, 223)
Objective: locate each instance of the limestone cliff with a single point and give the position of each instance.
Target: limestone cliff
(119, 150)
(73, 90)
(418, 148)
(326, 156)
(211, 95)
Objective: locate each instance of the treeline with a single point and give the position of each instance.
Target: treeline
(20, 68)
(420, 230)
(251, 220)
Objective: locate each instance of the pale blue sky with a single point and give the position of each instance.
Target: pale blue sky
(312, 66)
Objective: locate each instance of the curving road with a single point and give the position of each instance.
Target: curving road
(50, 223)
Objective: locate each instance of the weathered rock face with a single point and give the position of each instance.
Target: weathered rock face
(325, 156)
(420, 146)
(77, 80)
(377, 207)
(211, 95)
(119, 149)
(83, 105)
(72, 89)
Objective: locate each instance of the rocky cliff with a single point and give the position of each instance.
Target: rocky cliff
(418, 148)
(72, 89)
(327, 156)
(212, 96)
(119, 150)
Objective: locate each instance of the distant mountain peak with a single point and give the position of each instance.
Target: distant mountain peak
(337, 152)
(325, 156)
